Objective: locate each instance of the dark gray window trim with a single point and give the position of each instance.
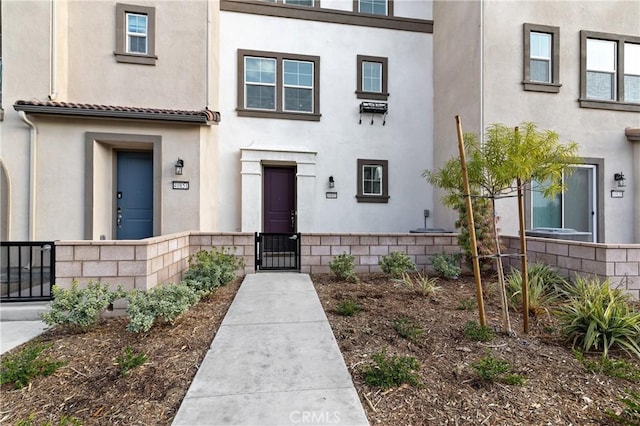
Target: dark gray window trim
(320, 14)
(278, 113)
(121, 53)
(599, 104)
(537, 86)
(385, 78)
(384, 198)
(356, 3)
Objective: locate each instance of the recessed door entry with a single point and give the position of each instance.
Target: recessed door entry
(134, 195)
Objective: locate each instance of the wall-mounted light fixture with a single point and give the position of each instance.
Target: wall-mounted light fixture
(179, 166)
(620, 179)
(332, 183)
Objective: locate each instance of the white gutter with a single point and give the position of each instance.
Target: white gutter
(53, 51)
(32, 174)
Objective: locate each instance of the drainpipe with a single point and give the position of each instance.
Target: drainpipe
(53, 51)
(208, 57)
(3, 166)
(32, 175)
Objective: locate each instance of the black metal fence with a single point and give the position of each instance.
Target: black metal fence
(27, 270)
(277, 252)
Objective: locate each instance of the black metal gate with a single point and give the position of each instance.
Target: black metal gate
(27, 270)
(277, 252)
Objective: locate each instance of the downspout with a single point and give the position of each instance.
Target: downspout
(481, 130)
(7, 237)
(53, 51)
(208, 58)
(32, 175)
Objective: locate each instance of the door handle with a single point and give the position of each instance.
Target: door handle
(293, 220)
(119, 218)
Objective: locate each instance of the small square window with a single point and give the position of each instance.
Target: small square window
(135, 34)
(372, 78)
(541, 58)
(373, 182)
(374, 7)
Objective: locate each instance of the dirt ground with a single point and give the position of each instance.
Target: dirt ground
(558, 389)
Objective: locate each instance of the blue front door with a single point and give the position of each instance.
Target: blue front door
(134, 194)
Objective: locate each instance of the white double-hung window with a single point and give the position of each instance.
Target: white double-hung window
(260, 83)
(601, 69)
(632, 72)
(374, 7)
(540, 59)
(137, 33)
(298, 86)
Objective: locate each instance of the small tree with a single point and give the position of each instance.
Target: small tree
(494, 167)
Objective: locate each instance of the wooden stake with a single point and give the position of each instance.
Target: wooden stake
(472, 228)
(523, 260)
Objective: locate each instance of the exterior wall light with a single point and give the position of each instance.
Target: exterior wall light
(332, 183)
(179, 166)
(622, 181)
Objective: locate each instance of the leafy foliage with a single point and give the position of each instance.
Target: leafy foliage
(446, 266)
(164, 303)
(390, 371)
(419, 282)
(19, 368)
(630, 416)
(64, 421)
(348, 308)
(467, 304)
(79, 308)
(597, 317)
(543, 284)
(491, 368)
(610, 367)
(343, 267)
(396, 264)
(209, 270)
(479, 333)
(129, 360)
(408, 328)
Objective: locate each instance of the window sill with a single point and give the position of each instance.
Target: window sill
(278, 114)
(129, 58)
(538, 86)
(372, 198)
(611, 105)
(372, 95)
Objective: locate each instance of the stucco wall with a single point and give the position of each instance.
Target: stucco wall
(337, 140)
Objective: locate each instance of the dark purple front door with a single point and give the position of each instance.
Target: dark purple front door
(279, 199)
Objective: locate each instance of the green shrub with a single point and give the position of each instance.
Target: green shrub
(491, 368)
(542, 287)
(129, 361)
(446, 266)
(19, 368)
(409, 329)
(419, 282)
(479, 333)
(80, 309)
(348, 308)
(390, 371)
(164, 303)
(396, 264)
(597, 317)
(64, 421)
(610, 367)
(343, 267)
(630, 415)
(209, 270)
(467, 304)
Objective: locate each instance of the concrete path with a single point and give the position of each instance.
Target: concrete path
(274, 361)
(19, 323)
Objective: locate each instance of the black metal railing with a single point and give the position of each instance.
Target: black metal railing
(27, 270)
(277, 252)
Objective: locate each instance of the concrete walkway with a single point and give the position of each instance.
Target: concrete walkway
(274, 361)
(19, 323)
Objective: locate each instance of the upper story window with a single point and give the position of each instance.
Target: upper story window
(135, 34)
(372, 78)
(541, 58)
(278, 85)
(609, 71)
(374, 7)
(373, 182)
(309, 3)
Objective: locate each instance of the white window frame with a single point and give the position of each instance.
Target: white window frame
(144, 35)
(262, 84)
(294, 86)
(372, 2)
(612, 72)
(546, 59)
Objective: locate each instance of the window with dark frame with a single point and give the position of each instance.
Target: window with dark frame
(373, 181)
(135, 34)
(609, 71)
(541, 58)
(278, 85)
(372, 78)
